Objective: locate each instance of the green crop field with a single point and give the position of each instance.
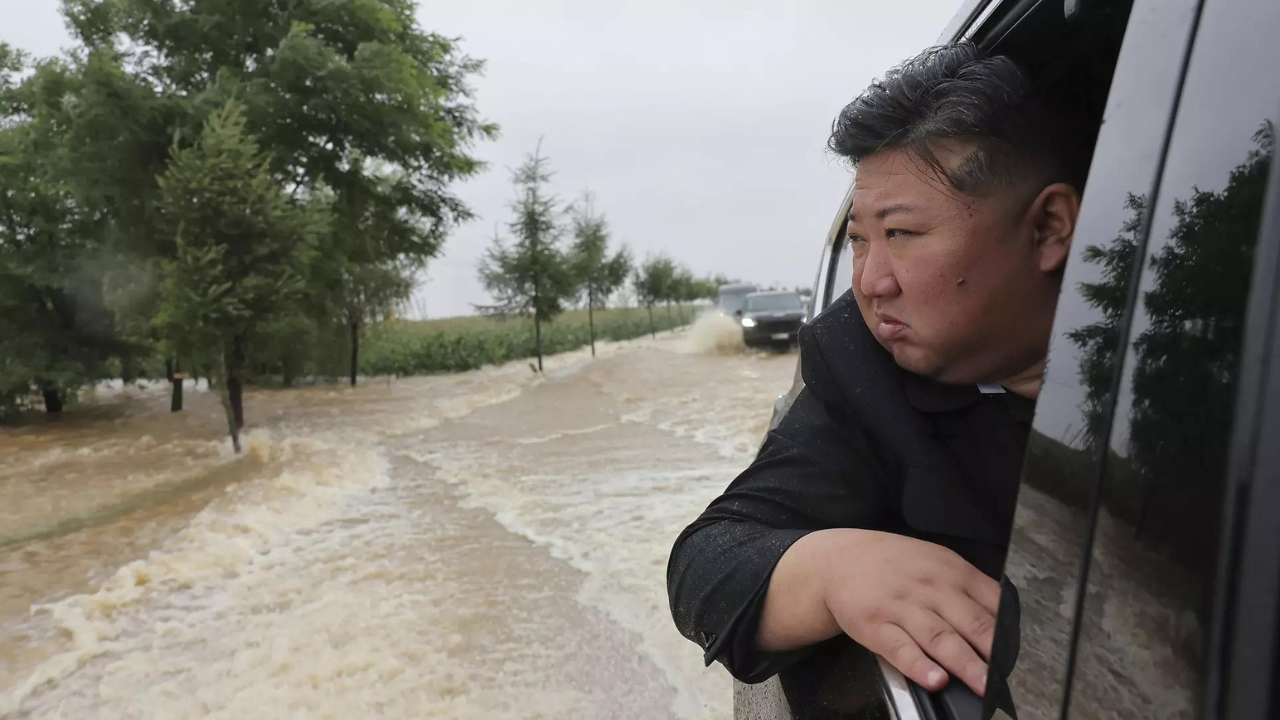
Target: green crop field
(416, 347)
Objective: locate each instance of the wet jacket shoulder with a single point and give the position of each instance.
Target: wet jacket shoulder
(859, 448)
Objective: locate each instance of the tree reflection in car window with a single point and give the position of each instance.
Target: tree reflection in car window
(1148, 605)
(1146, 614)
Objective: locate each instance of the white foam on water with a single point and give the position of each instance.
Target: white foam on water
(232, 536)
(714, 334)
(560, 435)
(612, 500)
(616, 524)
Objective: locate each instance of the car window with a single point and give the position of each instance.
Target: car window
(1149, 585)
(1052, 519)
(778, 303)
(842, 268)
(733, 301)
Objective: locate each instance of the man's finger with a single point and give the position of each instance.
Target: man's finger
(973, 621)
(945, 645)
(984, 590)
(895, 645)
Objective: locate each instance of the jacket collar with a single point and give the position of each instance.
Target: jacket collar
(931, 396)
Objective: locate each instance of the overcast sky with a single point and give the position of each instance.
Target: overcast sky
(699, 126)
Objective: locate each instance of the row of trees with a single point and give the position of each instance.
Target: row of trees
(221, 185)
(536, 274)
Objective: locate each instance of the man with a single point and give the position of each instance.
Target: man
(881, 506)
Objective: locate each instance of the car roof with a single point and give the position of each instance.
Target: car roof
(768, 293)
(738, 286)
(963, 20)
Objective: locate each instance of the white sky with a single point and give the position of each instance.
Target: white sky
(699, 126)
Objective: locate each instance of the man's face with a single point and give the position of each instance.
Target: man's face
(958, 288)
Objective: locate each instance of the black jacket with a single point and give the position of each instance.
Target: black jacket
(865, 445)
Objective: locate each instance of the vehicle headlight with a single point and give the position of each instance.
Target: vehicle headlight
(748, 322)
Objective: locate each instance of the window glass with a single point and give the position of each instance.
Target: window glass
(1060, 475)
(842, 270)
(1145, 616)
(781, 302)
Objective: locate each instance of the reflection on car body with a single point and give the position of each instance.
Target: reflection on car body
(1143, 546)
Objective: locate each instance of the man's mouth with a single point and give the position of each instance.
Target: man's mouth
(890, 327)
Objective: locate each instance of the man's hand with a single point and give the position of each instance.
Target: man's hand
(918, 605)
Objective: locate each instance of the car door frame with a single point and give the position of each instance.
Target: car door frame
(1245, 650)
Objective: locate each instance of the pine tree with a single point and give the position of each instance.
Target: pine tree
(598, 274)
(653, 284)
(242, 251)
(533, 276)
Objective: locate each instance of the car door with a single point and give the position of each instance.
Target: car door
(1053, 521)
(1162, 387)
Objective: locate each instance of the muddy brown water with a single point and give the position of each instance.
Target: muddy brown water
(483, 545)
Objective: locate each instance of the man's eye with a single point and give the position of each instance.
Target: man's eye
(897, 232)
(855, 238)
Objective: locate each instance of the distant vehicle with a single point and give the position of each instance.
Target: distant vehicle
(771, 319)
(731, 298)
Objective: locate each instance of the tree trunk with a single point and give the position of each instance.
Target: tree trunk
(52, 400)
(537, 338)
(287, 374)
(127, 373)
(652, 330)
(234, 385)
(175, 402)
(680, 309)
(224, 393)
(670, 321)
(355, 350)
(591, 320)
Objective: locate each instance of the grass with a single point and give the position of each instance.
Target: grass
(420, 347)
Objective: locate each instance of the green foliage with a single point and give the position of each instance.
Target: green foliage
(654, 281)
(533, 276)
(55, 331)
(369, 121)
(1185, 359)
(242, 249)
(405, 347)
(598, 274)
(1098, 341)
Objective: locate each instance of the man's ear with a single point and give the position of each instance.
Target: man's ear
(1053, 216)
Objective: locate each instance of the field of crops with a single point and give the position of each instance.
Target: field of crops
(417, 347)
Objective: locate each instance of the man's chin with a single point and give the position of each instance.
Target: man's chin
(925, 364)
(913, 360)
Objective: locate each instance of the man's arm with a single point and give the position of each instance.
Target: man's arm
(784, 559)
(917, 604)
(809, 476)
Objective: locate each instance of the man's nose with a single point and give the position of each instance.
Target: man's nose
(877, 273)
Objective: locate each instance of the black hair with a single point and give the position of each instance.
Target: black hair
(958, 93)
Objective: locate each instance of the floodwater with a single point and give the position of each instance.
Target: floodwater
(484, 545)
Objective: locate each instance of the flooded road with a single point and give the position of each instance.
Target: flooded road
(484, 545)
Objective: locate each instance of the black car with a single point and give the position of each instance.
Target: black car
(1145, 550)
(771, 319)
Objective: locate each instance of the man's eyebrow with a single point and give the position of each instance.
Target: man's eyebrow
(885, 211)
